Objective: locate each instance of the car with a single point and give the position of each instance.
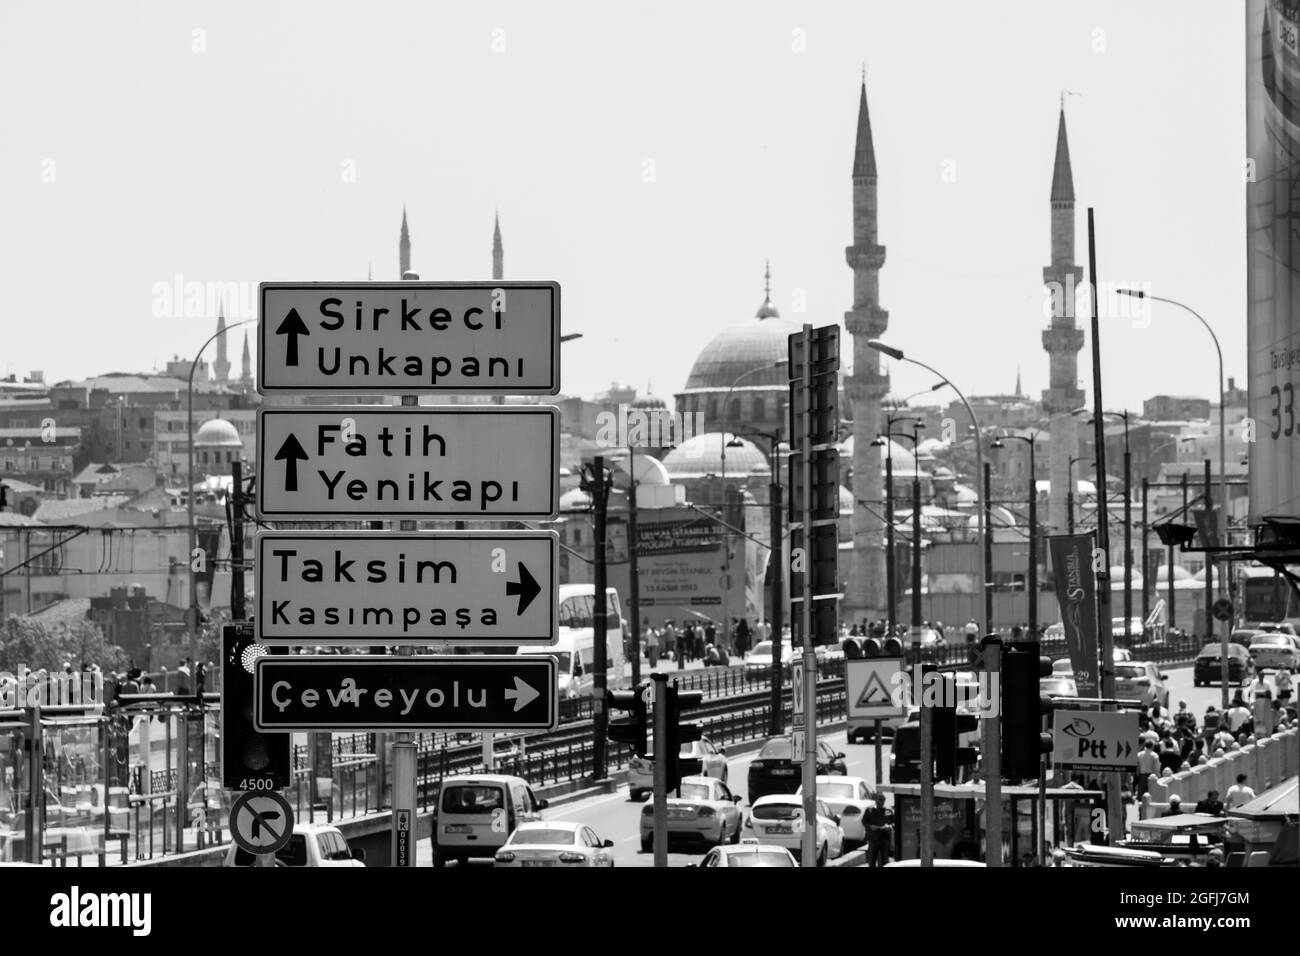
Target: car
(475, 814)
(774, 771)
(1208, 667)
(1273, 651)
(748, 853)
(1062, 668)
(1119, 654)
(942, 864)
(1058, 685)
(1244, 635)
(705, 812)
(1130, 634)
(848, 798)
(310, 844)
(778, 818)
(1054, 632)
(759, 658)
(554, 843)
(1141, 680)
(713, 763)
(1281, 627)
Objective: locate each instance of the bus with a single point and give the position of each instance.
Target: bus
(1267, 598)
(575, 646)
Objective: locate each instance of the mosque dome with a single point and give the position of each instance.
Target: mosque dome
(217, 433)
(702, 455)
(757, 344)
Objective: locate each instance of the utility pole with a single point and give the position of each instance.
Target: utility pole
(777, 597)
(1146, 562)
(660, 685)
(1171, 557)
(988, 542)
(635, 583)
(598, 484)
(1128, 536)
(1115, 809)
(1033, 542)
(809, 780)
(916, 556)
(1209, 583)
(236, 541)
(891, 586)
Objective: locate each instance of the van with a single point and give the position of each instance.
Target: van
(574, 648)
(475, 815)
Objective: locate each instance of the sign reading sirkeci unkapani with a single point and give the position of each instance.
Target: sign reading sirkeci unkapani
(446, 461)
(409, 337)
(358, 587)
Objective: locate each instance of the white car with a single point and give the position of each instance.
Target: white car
(713, 763)
(1141, 680)
(706, 812)
(1273, 651)
(1062, 668)
(310, 844)
(848, 798)
(749, 853)
(555, 843)
(778, 818)
(759, 659)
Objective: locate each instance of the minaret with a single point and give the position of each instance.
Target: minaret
(221, 367)
(1062, 338)
(868, 385)
(404, 248)
(498, 254)
(246, 364)
(1019, 393)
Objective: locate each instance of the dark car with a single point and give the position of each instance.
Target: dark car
(905, 755)
(1208, 669)
(773, 770)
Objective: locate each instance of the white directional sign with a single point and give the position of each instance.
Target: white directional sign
(483, 463)
(409, 337)
(796, 695)
(873, 687)
(358, 587)
(1095, 740)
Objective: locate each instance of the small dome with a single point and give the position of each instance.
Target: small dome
(702, 455)
(904, 460)
(649, 471)
(648, 402)
(217, 433)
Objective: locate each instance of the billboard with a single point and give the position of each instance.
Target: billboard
(1076, 591)
(1273, 253)
(682, 571)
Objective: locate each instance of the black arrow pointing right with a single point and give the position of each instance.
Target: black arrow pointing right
(291, 453)
(292, 326)
(526, 587)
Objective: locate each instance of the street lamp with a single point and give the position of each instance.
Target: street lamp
(189, 497)
(925, 391)
(1032, 582)
(726, 551)
(891, 584)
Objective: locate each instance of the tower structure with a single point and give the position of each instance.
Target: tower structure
(221, 367)
(498, 253)
(1062, 338)
(404, 248)
(246, 365)
(867, 386)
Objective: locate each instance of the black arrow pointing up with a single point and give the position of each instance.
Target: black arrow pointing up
(526, 587)
(291, 453)
(292, 326)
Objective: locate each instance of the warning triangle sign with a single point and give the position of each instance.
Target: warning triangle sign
(875, 693)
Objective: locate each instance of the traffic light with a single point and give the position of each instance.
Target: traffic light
(250, 759)
(820, 559)
(943, 720)
(632, 730)
(679, 733)
(1023, 740)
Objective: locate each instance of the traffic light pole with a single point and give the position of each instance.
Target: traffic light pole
(926, 836)
(660, 797)
(777, 599)
(402, 844)
(809, 658)
(992, 650)
(891, 585)
(634, 584)
(600, 660)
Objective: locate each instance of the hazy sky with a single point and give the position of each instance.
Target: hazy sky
(647, 156)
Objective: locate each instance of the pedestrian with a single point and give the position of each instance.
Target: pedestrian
(1170, 754)
(1175, 806)
(669, 645)
(697, 650)
(183, 677)
(742, 637)
(1214, 858)
(1015, 632)
(1239, 716)
(1282, 680)
(652, 647)
(1211, 804)
(688, 642)
(1148, 764)
(880, 832)
(972, 631)
(1240, 793)
(1184, 717)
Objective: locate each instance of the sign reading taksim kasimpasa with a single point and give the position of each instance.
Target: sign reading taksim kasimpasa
(409, 337)
(373, 694)
(345, 587)
(462, 462)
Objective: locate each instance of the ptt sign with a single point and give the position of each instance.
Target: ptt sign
(1095, 740)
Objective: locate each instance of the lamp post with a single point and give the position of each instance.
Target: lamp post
(1032, 582)
(726, 550)
(891, 574)
(189, 497)
(1128, 524)
(992, 731)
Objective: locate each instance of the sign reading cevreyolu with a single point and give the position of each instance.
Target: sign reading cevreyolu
(409, 337)
(357, 587)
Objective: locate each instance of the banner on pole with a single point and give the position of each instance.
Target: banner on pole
(1076, 592)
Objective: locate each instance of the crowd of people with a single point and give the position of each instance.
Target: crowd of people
(698, 640)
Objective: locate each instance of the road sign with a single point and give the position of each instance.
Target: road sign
(796, 693)
(261, 822)
(404, 856)
(1095, 740)
(875, 690)
(1222, 610)
(482, 463)
(342, 587)
(375, 694)
(409, 337)
(799, 745)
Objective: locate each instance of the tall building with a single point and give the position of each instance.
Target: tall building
(867, 386)
(404, 248)
(498, 253)
(221, 367)
(246, 365)
(1063, 338)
